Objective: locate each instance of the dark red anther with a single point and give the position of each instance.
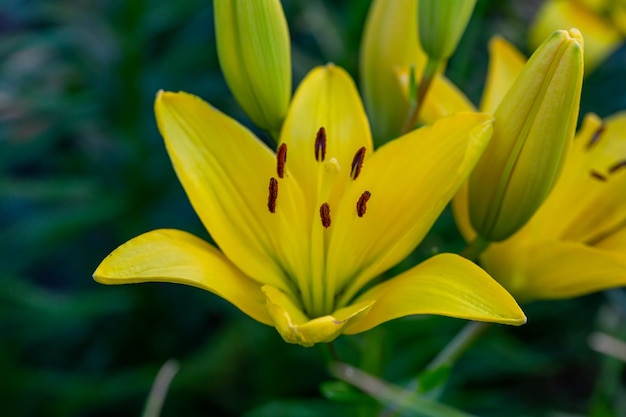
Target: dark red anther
(325, 215)
(320, 145)
(595, 137)
(361, 205)
(271, 200)
(617, 166)
(357, 163)
(281, 159)
(597, 175)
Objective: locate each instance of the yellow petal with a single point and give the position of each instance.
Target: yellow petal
(601, 37)
(505, 64)
(389, 42)
(615, 241)
(460, 210)
(328, 98)
(169, 255)
(295, 327)
(225, 172)
(618, 13)
(445, 284)
(443, 99)
(553, 269)
(410, 180)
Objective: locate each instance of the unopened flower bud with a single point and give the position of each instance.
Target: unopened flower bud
(441, 24)
(254, 53)
(389, 45)
(534, 127)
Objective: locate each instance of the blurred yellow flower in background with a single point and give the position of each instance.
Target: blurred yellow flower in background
(602, 23)
(576, 242)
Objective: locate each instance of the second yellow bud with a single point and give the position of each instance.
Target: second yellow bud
(534, 126)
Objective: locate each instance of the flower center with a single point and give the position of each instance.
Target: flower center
(316, 293)
(320, 156)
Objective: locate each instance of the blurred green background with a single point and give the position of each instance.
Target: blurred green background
(83, 169)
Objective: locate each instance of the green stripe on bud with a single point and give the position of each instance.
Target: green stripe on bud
(254, 53)
(533, 129)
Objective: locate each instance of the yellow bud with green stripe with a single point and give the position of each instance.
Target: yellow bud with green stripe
(254, 53)
(533, 130)
(441, 24)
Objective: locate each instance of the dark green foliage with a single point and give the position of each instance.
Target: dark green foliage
(83, 169)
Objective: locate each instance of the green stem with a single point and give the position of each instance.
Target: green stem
(427, 78)
(329, 352)
(392, 395)
(475, 248)
(457, 346)
(161, 385)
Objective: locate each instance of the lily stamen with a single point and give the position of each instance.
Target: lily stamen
(597, 175)
(271, 200)
(325, 215)
(617, 166)
(314, 284)
(595, 137)
(357, 163)
(361, 205)
(281, 159)
(320, 144)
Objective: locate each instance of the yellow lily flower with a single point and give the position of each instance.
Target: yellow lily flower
(602, 35)
(302, 231)
(575, 243)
